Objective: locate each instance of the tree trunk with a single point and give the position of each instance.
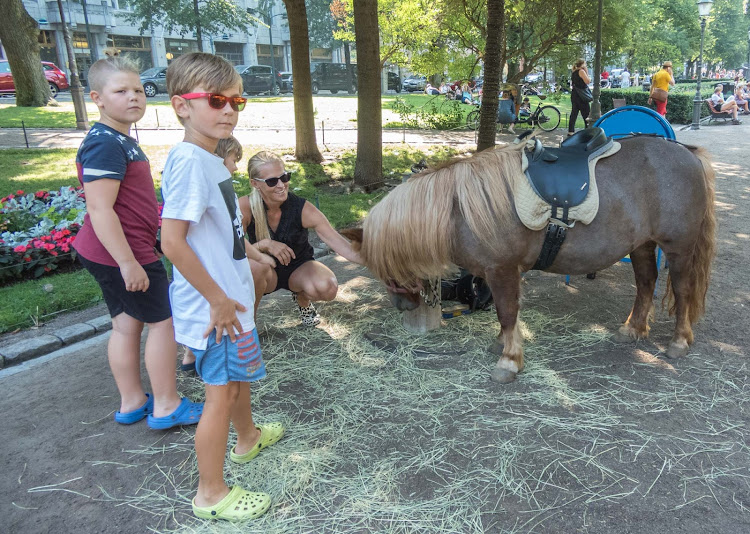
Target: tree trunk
(368, 170)
(198, 32)
(492, 60)
(304, 122)
(19, 34)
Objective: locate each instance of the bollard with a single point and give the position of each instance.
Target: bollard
(135, 125)
(317, 200)
(25, 137)
(403, 128)
(157, 118)
(323, 126)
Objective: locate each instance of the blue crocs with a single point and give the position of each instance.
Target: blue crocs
(128, 418)
(187, 413)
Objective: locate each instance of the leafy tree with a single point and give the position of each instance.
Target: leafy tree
(321, 23)
(19, 33)
(728, 27)
(368, 169)
(185, 16)
(307, 147)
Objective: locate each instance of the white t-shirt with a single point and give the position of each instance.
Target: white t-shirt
(197, 187)
(625, 77)
(717, 99)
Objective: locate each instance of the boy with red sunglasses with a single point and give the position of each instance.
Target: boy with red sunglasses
(212, 293)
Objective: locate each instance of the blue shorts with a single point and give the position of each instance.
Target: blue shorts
(224, 362)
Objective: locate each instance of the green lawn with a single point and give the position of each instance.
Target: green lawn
(32, 170)
(24, 304)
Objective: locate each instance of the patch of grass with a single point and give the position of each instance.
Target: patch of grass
(23, 304)
(61, 116)
(36, 169)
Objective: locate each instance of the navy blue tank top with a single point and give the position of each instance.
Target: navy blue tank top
(290, 230)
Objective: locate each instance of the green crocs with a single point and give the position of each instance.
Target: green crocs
(238, 505)
(269, 434)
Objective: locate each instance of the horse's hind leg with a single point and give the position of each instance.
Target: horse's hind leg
(680, 274)
(644, 267)
(506, 291)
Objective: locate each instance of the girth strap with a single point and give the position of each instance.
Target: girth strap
(553, 240)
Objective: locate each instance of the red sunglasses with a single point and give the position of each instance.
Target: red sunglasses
(219, 101)
(271, 182)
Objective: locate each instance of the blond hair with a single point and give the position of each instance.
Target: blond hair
(198, 69)
(257, 208)
(102, 69)
(228, 146)
(579, 63)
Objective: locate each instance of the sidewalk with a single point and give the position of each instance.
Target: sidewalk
(71, 138)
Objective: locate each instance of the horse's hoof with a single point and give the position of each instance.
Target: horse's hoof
(677, 349)
(623, 335)
(496, 347)
(503, 376)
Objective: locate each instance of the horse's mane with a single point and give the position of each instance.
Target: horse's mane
(409, 235)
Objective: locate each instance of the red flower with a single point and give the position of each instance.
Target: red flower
(27, 258)
(65, 232)
(47, 269)
(19, 192)
(54, 253)
(20, 248)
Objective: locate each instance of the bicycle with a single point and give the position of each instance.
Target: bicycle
(545, 117)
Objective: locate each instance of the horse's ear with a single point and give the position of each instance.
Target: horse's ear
(355, 236)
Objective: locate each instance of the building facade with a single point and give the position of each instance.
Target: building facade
(104, 24)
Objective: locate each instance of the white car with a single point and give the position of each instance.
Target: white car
(534, 77)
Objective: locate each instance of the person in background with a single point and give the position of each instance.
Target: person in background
(725, 106)
(578, 79)
(625, 79)
(662, 80)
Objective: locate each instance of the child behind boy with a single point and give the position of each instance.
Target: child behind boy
(202, 236)
(116, 244)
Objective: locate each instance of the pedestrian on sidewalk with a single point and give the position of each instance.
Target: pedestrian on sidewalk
(117, 245)
(212, 293)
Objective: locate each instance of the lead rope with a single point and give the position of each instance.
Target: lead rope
(431, 295)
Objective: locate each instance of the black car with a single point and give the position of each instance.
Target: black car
(394, 81)
(333, 77)
(285, 82)
(258, 79)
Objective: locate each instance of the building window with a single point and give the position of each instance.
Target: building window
(80, 40)
(178, 47)
(232, 52)
(136, 47)
(47, 46)
(264, 55)
(122, 5)
(321, 55)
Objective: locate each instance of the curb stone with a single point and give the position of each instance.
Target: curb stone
(39, 346)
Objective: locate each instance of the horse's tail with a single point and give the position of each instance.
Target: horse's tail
(705, 247)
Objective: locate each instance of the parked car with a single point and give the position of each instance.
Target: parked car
(534, 77)
(258, 79)
(333, 77)
(56, 78)
(154, 81)
(415, 83)
(394, 81)
(285, 82)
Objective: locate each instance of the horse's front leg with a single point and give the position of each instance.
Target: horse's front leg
(506, 291)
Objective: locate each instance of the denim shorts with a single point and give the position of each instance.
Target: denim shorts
(224, 362)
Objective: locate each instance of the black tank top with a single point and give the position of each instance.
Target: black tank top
(577, 80)
(290, 230)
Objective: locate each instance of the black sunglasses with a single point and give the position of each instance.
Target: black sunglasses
(271, 182)
(219, 101)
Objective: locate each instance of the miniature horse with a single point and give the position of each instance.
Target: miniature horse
(652, 192)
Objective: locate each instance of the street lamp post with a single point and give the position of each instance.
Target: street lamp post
(704, 8)
(747, 70)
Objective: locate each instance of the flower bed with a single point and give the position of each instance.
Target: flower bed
(37, 230)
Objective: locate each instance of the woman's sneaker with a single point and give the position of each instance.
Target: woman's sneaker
(308, 314)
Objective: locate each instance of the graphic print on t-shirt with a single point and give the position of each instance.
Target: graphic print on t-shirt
(230, 197)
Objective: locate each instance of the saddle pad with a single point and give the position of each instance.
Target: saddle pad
(535, 212)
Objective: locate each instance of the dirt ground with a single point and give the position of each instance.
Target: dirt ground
(592, 437)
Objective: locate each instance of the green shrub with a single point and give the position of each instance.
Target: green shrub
(679, 104)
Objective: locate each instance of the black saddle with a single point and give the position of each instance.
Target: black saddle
(560, 176)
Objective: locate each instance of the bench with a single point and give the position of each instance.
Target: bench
(715, 115)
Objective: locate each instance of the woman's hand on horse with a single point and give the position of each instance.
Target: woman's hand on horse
(279, 251)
